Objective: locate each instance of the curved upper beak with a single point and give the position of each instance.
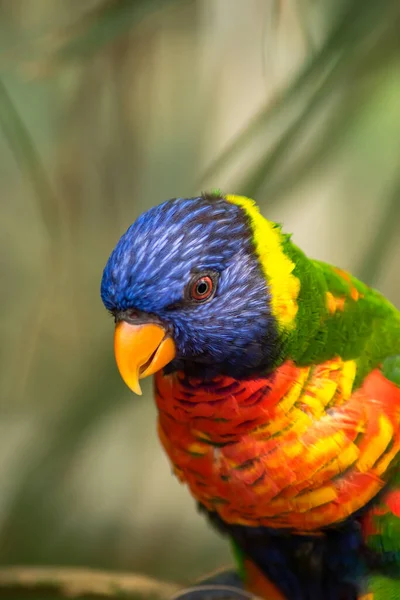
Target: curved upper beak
(141, 350)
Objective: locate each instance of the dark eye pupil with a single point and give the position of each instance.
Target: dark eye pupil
(202, 288)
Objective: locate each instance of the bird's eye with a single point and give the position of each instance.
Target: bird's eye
(202, 288)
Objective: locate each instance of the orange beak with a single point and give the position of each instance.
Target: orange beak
(141, 350)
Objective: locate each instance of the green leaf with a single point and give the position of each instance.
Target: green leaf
(386, 230)
(338, 56)
(28, 158)
(103, 25)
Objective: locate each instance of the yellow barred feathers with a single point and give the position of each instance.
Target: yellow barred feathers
(277, 267)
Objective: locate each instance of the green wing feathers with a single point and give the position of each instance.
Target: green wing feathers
(340, 316)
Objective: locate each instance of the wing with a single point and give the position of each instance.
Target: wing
(381, 522)
(340, 316)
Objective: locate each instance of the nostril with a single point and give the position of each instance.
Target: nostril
(136, 316)
(132, 314)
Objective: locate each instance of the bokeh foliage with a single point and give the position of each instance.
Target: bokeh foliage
(106, 108)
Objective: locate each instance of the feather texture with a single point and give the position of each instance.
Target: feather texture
(281, 409)
(295, 450)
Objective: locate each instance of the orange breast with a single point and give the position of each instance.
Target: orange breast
(294, 450)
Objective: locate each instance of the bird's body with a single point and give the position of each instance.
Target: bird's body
(296, 450)
(278, 390)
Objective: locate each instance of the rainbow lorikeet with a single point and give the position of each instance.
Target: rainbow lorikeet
(277, 382)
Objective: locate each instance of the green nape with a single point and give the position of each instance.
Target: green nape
(340, 316)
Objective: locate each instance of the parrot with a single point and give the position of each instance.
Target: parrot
(277, 388)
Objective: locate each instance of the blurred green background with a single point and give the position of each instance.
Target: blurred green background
(107, 108)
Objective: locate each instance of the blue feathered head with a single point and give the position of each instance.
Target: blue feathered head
(189, 267)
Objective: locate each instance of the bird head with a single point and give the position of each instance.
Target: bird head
(201, 285)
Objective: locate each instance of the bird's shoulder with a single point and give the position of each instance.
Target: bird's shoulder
(354, 321)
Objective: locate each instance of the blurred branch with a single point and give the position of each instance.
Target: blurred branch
(49, 463)
(385, 232)
(344, 46)
(270, 110)
(101, 26)
(255, 177)
(335, 128)
(273, 11)
(28, 158)
(302, 9)
(60, 582)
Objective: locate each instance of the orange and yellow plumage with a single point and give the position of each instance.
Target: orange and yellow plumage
(277, 383)
(297, 449)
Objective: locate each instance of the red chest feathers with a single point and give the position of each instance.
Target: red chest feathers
(297, 449)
